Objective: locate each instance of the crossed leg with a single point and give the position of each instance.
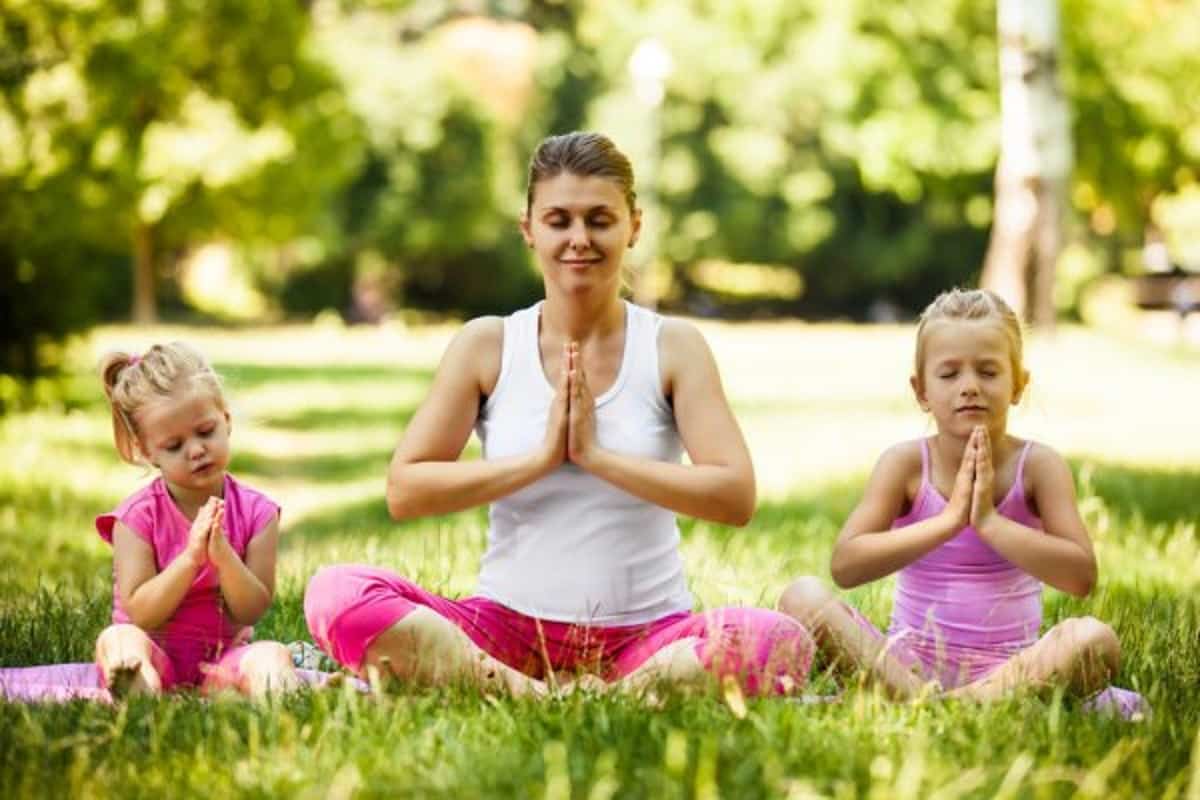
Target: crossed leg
(1081, 654)
(850, 641)
(130, 662)
(763, 651)
(426, 649)
(256, 670)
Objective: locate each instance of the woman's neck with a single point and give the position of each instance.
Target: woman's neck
(582, 317)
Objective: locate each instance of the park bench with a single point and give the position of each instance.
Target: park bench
(1175, 290)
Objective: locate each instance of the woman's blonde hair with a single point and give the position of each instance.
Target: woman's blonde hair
(132, 381)
(581, 153)
(973, 304)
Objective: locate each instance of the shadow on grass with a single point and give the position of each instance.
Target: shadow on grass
(50, 625)
(1155, 495)
(47, 532)
(240, 376)
(325, 468)
(341, 417)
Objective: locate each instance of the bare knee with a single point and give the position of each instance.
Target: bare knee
(121, 637)
(266, 657)
(806, 598)
(1097, 640)
(423, 646)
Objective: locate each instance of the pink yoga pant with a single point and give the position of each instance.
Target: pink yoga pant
(348, 606)
(196, 664)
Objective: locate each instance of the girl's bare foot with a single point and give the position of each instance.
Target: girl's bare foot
(132, 677)
(271, 683)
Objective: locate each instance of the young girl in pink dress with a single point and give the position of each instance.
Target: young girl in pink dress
(193, 551)
(974, 520)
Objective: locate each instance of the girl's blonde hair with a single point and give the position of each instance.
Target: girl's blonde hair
(132, 381)
(973, 304)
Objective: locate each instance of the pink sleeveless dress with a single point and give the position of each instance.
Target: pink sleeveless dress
(963, 609)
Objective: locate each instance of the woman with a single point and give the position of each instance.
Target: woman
(583, 403)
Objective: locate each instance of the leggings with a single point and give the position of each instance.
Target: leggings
(349, 605)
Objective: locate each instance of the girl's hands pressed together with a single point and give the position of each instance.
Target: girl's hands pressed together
(581, 437)
(960, 505)
(983, 503)
(200, 532)
(219, 549)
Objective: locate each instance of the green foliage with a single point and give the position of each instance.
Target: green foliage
(187, 120)
(362, 154)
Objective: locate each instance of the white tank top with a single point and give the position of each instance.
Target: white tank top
(572, 547)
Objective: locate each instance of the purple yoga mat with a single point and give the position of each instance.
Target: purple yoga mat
(62, 682)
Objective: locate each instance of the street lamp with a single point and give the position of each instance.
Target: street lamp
(649, 66)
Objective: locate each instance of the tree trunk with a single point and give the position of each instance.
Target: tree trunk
(1034, 167)
(145, 295)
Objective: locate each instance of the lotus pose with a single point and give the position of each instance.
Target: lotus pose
(974, 520)
(584, 404)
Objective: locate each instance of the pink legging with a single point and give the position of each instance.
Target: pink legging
(349, 605)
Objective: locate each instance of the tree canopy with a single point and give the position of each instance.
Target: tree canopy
(823, 159)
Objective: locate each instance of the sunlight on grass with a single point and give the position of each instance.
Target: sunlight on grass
(317, 412)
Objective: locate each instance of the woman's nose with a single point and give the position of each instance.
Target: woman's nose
(579, 236)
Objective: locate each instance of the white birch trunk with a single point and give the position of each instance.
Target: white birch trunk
(1035, 161)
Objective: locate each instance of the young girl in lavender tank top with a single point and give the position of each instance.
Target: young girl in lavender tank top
(974, 521)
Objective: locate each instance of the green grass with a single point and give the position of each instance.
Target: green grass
(316, 415)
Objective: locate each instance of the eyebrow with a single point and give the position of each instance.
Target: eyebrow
(604, 207)
(946, 362)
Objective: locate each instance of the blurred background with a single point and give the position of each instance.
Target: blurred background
(258, 161)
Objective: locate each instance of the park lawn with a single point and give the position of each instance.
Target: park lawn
(316, 413)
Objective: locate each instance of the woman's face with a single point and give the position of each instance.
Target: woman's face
(580, 227)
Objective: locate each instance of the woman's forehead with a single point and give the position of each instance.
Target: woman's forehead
(577, 192)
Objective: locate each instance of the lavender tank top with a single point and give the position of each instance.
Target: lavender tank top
(963, 600)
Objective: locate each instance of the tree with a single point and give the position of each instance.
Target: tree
(1034, 168)
(163, 120)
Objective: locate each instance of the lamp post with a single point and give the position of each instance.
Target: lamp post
(649, 67)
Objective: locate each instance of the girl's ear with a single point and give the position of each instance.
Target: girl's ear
(635, 221)
(919, 392)
(1019, 386)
